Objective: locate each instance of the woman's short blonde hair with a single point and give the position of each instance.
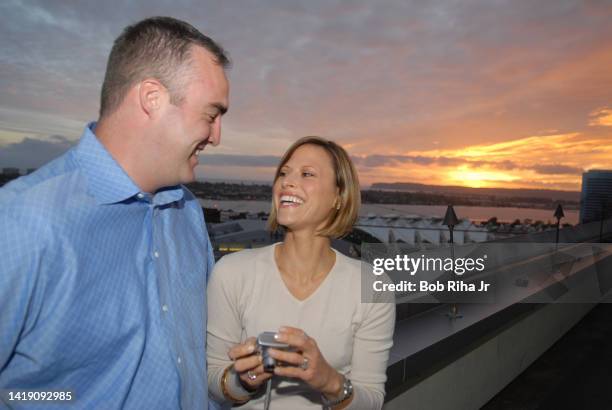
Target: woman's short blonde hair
(347, 181)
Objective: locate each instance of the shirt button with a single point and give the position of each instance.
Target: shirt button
(165, 308)
(140, 196)
(178, 360)
(156, 254)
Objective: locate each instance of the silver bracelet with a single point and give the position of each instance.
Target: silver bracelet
(347, 391)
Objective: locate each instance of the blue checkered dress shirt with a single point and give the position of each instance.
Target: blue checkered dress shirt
(102, 287)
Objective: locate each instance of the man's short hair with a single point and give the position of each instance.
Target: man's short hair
(157, 47)
(340, 222)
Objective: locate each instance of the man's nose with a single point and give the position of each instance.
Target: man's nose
(215, 133)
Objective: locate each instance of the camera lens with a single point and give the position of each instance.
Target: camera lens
(268, 362)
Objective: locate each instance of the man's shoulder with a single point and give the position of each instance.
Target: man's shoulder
(43, 188)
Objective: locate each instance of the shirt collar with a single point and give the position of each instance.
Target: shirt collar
(168, 195)
(107, 181)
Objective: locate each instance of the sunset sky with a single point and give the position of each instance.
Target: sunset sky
(483, 93)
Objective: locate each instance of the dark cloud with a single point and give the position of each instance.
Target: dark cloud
(33, 153)
(554, 169)
(374, 161)
(256, 161)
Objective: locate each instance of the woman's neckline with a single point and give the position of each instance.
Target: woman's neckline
(317, 290)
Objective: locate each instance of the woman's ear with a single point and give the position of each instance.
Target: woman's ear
(337, 203)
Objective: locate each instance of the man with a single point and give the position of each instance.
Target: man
(104, 256)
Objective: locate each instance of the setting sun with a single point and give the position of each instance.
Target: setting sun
(465, 176)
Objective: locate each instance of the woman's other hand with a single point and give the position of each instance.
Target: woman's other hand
(306, 363)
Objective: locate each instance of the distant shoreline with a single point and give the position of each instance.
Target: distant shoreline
(221, 191)
(473, 213)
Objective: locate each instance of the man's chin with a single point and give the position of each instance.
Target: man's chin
(188, 179)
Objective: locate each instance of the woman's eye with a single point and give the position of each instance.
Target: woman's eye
(307, 174)
(282, 173)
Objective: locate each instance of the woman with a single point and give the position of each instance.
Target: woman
(306, 292)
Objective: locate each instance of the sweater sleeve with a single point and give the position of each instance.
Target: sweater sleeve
(224, 328)
(372, 343)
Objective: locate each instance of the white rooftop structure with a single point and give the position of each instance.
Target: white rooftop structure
(414, 230)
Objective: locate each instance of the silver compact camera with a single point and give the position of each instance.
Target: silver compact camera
(266, 340)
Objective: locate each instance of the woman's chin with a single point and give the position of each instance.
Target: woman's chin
(291, 224)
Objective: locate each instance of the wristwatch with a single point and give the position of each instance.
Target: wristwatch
(347, 391)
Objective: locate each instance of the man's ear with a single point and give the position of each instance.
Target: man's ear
(151, 94)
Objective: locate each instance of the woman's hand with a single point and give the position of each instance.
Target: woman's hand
(247, 364)
(306, 363)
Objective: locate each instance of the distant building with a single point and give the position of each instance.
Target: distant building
(10, 171)
(416, 230)
(596, 198)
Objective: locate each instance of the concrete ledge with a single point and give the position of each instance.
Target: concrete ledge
(473, 379)
(482, 352)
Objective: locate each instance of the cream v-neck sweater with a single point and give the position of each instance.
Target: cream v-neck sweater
(247, 296)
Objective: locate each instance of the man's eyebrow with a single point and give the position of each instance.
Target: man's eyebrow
(220, 107)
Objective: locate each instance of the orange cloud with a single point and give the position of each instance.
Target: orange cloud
(601, 117)
(543, 161)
